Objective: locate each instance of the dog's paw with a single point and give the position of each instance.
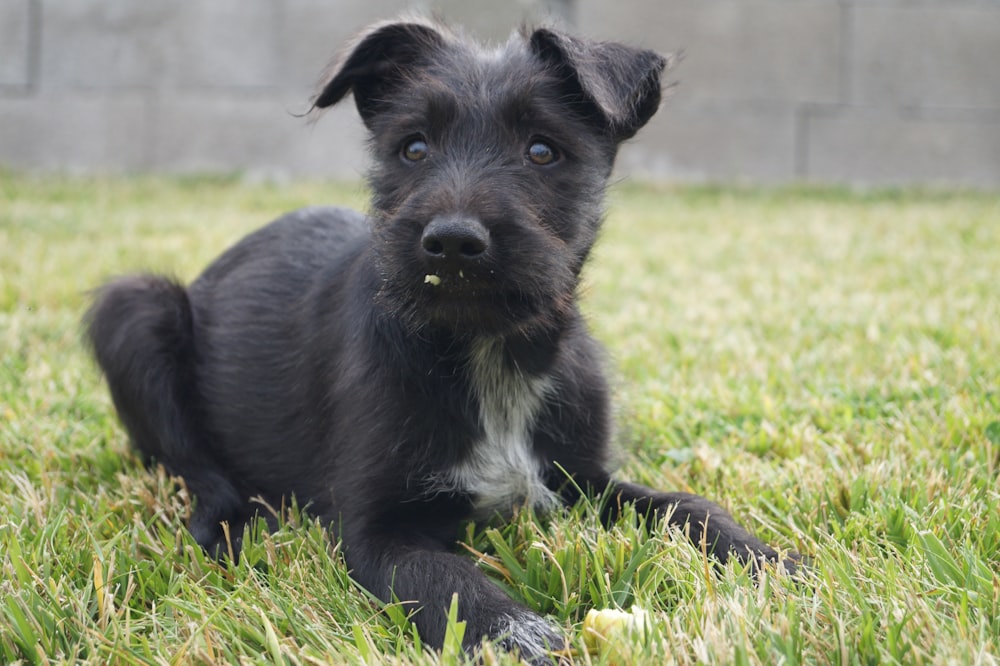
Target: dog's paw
(796, 566)
(535, 639)
(793, 563)
(221, 540)
(790, 564)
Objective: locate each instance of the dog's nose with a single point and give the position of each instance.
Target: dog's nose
(455, 239)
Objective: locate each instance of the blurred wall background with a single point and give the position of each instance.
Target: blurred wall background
(864, 92)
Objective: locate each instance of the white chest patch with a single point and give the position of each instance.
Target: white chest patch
(502, 472)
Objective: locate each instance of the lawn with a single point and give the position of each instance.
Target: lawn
(824, 363)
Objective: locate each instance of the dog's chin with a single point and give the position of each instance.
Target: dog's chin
(464, 320)
(467, 311)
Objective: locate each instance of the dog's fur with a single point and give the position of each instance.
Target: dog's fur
(401, 373)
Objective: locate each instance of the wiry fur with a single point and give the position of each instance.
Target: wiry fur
(315, 360)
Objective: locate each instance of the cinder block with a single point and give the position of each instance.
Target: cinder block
(207, 132)
(15, 43)
(735, 50)
(104, 44)
(312, 32)
(706, 143)
(941, 54)
(226, 43)
(876, 147)
(74, 133)
(122, 43)
(335, 145)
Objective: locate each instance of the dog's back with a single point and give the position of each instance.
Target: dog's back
(255, 310)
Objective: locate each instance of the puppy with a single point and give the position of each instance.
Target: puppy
(404, 371)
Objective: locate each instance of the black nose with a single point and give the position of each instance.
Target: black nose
(455, 239)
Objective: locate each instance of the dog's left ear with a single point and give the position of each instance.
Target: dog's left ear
(622, 83)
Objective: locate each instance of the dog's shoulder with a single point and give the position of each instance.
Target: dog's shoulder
(300, 243)
(326, 225)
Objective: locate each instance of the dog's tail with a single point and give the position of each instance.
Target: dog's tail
(141, 330)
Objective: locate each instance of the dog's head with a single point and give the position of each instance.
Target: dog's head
(489, 165)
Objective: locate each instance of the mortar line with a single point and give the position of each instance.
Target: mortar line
(34, 46)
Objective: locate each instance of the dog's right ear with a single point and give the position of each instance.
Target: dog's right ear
(377, 62)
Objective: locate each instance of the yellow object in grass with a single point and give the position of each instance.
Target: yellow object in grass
(602, 628)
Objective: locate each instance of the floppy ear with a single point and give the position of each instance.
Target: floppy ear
(621, 83)
(377, 63)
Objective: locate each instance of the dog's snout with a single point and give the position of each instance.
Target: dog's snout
(455, 239)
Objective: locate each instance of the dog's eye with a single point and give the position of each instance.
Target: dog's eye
(415, 150)
(542, 154)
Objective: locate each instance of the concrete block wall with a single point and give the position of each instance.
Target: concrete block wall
(866, 92)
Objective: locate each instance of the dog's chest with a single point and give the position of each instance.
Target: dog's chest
(501, 470)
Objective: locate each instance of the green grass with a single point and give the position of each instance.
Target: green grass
(825, 364)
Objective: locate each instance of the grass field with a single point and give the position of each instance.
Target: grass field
(825, 364)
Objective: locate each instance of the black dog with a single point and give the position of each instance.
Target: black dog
(404, 372)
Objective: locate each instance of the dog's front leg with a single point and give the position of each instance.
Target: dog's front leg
(707, 525)
(424, 578)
